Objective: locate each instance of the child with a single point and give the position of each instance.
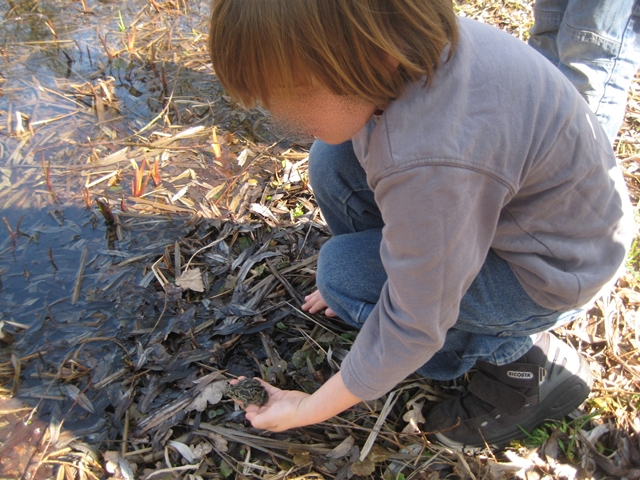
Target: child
(473, 197)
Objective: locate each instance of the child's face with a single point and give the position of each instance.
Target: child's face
(314, 110)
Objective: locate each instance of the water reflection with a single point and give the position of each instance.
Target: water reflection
(87, 89)
(74, 84)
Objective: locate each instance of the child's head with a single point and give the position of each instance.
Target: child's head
(349, 47)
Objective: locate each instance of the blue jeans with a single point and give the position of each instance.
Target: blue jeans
(596, 44)
(497, 317)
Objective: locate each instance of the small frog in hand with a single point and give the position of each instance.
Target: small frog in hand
(247, 391)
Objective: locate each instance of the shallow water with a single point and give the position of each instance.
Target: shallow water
(54, 56)
(56, 45)
(95, 95)
(77, 79)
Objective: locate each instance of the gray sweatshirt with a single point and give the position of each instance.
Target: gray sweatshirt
(499, 151)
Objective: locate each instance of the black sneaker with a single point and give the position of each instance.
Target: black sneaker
(548, 382)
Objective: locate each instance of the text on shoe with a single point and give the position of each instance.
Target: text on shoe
(520, 375)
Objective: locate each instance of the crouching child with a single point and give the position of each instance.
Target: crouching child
(474, 201)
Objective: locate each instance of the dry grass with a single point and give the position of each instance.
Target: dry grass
(210, 240)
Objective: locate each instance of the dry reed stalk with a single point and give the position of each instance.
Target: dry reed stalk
(11, 233)
(75, 295)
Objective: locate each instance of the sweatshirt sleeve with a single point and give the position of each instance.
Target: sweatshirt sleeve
(439, 219)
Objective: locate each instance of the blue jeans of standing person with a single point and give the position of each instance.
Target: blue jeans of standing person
(497, 317)
(596, 44)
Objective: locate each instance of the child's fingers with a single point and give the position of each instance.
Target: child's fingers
(233, 382)
(271, 390)
(314, 297)
(314, 303)
(314, 300)
(313, 306)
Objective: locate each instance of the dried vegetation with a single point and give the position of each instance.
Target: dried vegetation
(158, 241)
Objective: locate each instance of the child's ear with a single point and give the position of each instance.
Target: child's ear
(393, 61)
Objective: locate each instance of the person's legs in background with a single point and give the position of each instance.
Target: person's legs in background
(596, 44)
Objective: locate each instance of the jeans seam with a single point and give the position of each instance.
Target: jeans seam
(551, 18)
(345, 202)
(514, 356)
(625, 32)
(359, 314)
(592, 38)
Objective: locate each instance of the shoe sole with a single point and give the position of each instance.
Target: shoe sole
(574, 392)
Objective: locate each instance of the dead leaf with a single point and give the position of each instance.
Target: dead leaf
(183, 450)
(363, 468)
(242, 158)
(461, 468)
(201, 450)
(342, 449)
(80, 398)
(518, 467)
(263, 211)
(301, 458)
(211, 394)
(219, 442)
(378, 454)
(594, 435)
(413, 417)
(116, 463)
(191, 280)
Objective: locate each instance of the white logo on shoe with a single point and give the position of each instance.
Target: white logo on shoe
(520, 375)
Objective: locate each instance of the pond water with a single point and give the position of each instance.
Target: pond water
(88, 89)
(73, 88)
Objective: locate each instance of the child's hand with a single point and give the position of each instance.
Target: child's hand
(290, 408)
(314, 302)
(282, 411)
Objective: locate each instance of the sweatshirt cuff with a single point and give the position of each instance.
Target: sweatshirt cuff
(356, 384)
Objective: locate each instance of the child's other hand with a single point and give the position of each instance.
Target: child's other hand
(284, 410)
(314, 302)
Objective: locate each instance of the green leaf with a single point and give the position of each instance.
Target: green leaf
(243, 243)
(327, 338)
(299, 358)
(225, 469)
(348, 336)
(215, 413)
(119, 64)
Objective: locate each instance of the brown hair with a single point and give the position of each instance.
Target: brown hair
(346, 45)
